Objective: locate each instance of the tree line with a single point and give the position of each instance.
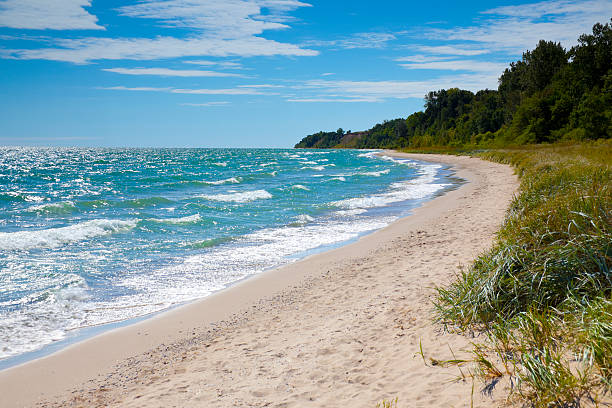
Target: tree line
(550, 94)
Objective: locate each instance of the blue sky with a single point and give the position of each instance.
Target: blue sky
(251, 73)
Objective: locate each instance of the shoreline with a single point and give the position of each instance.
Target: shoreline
(85, 333)
(178, 337)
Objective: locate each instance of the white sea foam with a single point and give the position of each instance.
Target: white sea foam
(350, 213)
(231, 180)
(239, 197)
(310, 162)
(319, 168)
(179, 220)
(200, 274)
(339, 178)
(299, 187)
(44, 320)
(55, 237)
(220, 164)
(375, 173)
(418, 188)
(303, 219)
(54, 207)
(268, 164)
(368, 154)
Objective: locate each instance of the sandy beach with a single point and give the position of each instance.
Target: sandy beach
(337, 329)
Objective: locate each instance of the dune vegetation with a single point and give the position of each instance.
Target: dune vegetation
(543, 292)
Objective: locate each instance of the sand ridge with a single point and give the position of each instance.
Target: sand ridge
(340, 328)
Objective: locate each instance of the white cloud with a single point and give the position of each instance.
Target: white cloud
(218, 29)
(223, 91)
(355, 41)
(169, 72)
(451, 50)
(222, 64)
(229, 91)
(544, 8)
(373, 91)
(334, 100)
(228, 19)
(460, 65)
(48, 14)
(239, 90)
(515, 29)
(423, 58)
(85, 50)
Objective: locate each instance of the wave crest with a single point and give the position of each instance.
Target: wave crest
(243, 197)
(55, 237)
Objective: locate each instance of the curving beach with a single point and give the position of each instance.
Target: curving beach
(341, 328)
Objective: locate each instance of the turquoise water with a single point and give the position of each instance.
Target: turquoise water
(90, 237)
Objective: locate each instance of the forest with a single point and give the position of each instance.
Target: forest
(551, 94)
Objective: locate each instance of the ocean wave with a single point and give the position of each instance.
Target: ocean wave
(20, 196)
(302, 219)
(375, 173)
(56, 237)
(349, 213)
(231, 180)
(268, 164)
(338, 178)
(220, 164)
(318, 168)
(64, 207)
(368, 154)
(143, 202)
(240, 197)
(190, 219)
(52, 308)
(209, 243)
(418, 188)
(299, 187)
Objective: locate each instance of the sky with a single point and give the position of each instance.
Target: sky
(251, 73)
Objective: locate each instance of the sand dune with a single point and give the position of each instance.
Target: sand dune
(339, 329)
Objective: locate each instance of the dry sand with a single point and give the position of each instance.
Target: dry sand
(338, 329)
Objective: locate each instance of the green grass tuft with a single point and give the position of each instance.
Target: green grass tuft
(543, 293)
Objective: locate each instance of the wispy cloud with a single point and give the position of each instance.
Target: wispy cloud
(217, 29)
(459, 65)
(228, 19)
(226, 91)
(47, 14)
(242, 90)
(222, 64)
(355, 41)
(169, 72)
(376, 91)
(452, 50)
(86, 50)
(333, 100)
(515, 29)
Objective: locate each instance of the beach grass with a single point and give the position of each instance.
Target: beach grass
(543, 292)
